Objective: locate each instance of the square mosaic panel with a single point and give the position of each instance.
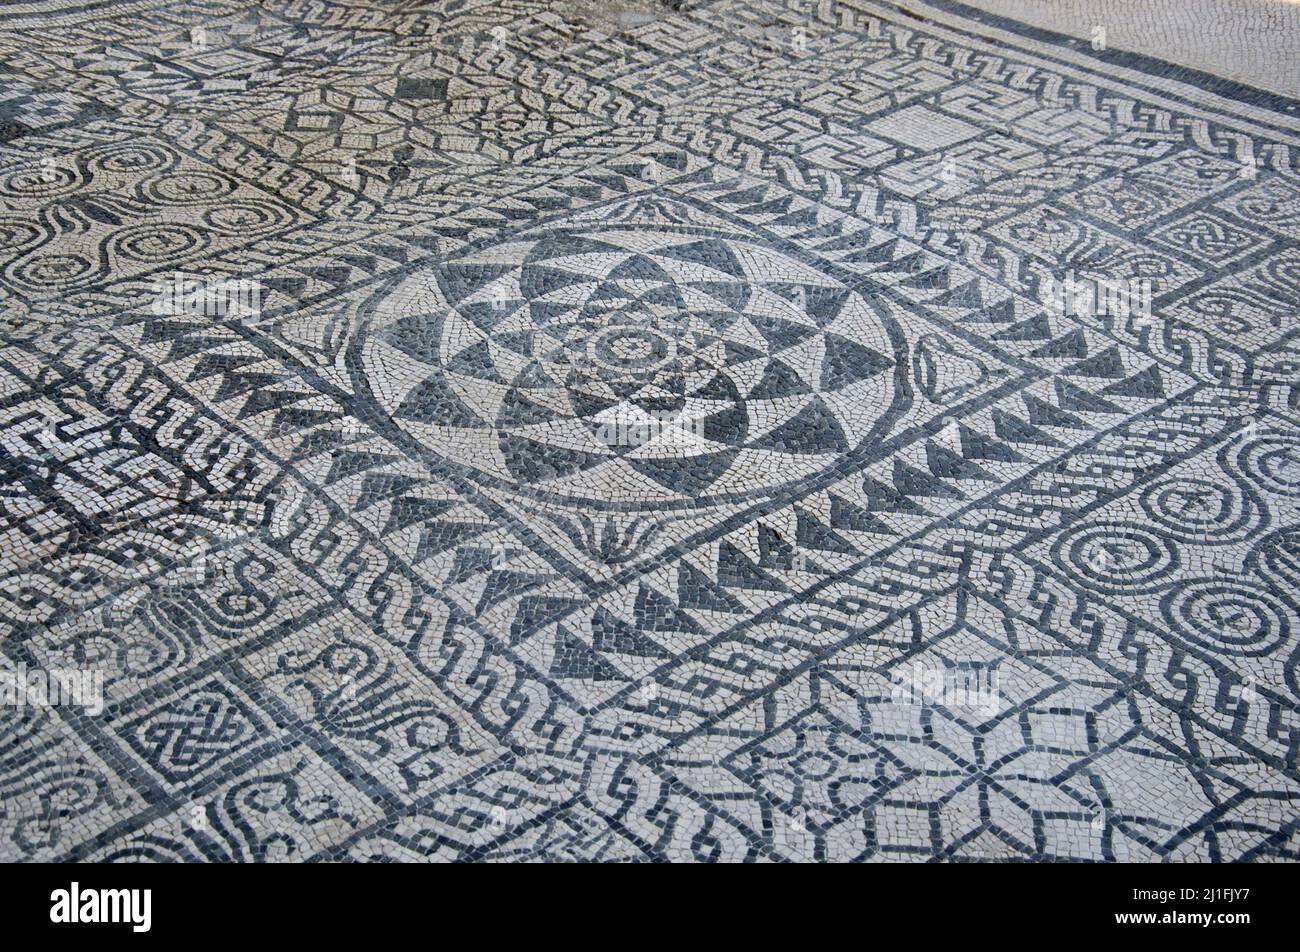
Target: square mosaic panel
(706, 431)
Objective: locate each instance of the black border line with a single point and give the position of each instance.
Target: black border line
(1209, 82)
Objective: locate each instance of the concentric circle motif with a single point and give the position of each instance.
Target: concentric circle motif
(157, 243)
(1197, 510)
(53, 270)
(245, 219)
(16, 233)
(1274, 463)
(1227, 616)
(1278, 558)
(1283, 272)
(1117, 557)
(634, 367)
(187, 188)
(131, 158)
(41, 181)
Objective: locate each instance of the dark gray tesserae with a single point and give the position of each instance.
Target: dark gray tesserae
(642, 431)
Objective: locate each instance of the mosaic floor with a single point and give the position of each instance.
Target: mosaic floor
(702, 431)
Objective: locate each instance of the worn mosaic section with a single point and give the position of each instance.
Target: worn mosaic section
(692, 431)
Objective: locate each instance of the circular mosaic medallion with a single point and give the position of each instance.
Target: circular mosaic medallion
(1117, 557)
(1199, 510)
(1228, 617)
(1273, 463)
(634, 366)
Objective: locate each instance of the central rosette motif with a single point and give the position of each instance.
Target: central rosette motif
(633, 366)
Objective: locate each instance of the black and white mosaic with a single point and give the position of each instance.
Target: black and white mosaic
(720, 430)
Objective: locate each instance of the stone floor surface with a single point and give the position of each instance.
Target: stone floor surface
(708, 430)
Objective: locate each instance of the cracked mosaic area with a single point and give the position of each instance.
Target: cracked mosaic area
(699, 431)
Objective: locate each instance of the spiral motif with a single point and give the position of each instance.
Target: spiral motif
(53, 270)
(1227, 616)
(1197, 510)
(132, 157)
(187, 188)
(158, 243)
(16, 233)
(245, 219)
(1202, 167)
(1272, 462)
(1270, 201)
(41, 181)
(142, 652)
(1149, 266)
(1278, 557)
(1284, 273)
(1117, 558)
(1222, 310)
